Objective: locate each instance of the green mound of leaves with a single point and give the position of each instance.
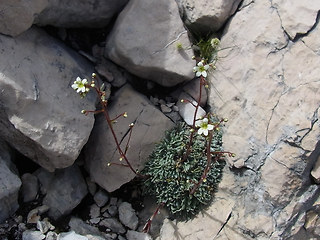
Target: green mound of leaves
(170, 179)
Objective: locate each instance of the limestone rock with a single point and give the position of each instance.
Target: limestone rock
(40, 113)
(128, 216)
(133, 235)
(65, 192)
(71, 236)
(268, 88)
(32, 235)
(149, 128)
(101, 198)
(203, 16)
(78, 14)
(9, 189)
(187, 110)
(297, 17)
(151, 52)
(315, 173)
(17, 16)
(113, 224)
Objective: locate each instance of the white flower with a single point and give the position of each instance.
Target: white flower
(80, 85)
(201, 69)
(204, 127)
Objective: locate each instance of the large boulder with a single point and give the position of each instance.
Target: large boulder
(82, 13)
(203, 16)
(40, 113)
(149, 127)
(9, 183)
(269, 89)
(144, 41)
(17, 16)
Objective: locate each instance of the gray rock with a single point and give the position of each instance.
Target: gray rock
(94, 211)
(80, 227)
(193, 89)
(315, 173)
(51, 236)
(32, 235)
(202, 16)
(113, 224)
(71, 236)
(165, 109)
(112, 210)
(9, 189)
(154, 56)
(79, 14)
(127, 216)
(29, 188)
(62, 200)
(187, 110)
(133, 235)
(17, 16)
(40, 113)
(149, 128)
(101, 198)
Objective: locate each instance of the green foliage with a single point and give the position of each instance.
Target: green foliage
(208, 49)
(170, 179)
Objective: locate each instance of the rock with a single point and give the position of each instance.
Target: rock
(113, 224)
(165, 109)
(62, 200)
(150, 125)
(44, 226)
(30, 186)
(101, 198)
(155, 56)
(127, 216)
(315, 173)
(94, 211)
(205, 16)
(71, 236)
(79, 226)
(133, 235)
(192, 88)
(17, 16)
(112, 210)
(88, 14)
(34, 214)
(51, 236)
(113, 73)
(32, 235)
(9, 190)
(41, 116)
(297, 17)
(149, 207)
(187, 110)
(271, 98)
(92, 187)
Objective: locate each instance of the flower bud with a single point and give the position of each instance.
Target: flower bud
(83, 111)
(125, 115)
(94, 75)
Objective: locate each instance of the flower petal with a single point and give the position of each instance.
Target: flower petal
(198, 74)
(210, 127)
(204, 73)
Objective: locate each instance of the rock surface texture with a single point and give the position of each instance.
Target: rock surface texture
(17, 16)
(76, 14)
(39, 112)
(149, 127)
(144, 41)
(267, 83)
(205, 16)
